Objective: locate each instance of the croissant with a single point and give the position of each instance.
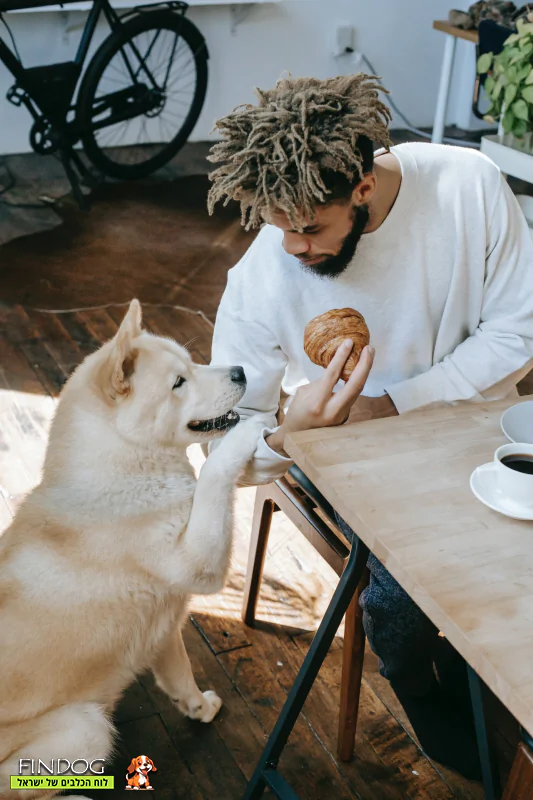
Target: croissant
(325, 333)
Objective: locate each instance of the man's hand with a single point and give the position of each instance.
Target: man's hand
(316, 405)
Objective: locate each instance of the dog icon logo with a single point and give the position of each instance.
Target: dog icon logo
(138, 772)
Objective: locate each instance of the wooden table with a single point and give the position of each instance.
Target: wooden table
(452, 34)
(403, 485)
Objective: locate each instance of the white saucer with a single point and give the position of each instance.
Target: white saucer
(517, 422)
(483, 485)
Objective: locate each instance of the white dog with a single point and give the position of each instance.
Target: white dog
(96, 568)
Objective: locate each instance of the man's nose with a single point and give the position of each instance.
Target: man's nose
(237, 375)
(295, 245)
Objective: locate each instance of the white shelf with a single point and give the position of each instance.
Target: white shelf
(510, 160)
(85, 5)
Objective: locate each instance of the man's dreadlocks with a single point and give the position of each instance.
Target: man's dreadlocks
(278, 155)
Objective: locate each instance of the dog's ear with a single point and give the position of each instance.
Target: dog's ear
(120, 364)
(132, 320)
(132, 766)
(154, 768)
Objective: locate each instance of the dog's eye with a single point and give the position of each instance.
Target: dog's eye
(179, 382)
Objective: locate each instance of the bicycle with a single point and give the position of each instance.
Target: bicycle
(134, 105)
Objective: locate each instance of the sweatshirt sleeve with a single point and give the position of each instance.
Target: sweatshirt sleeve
(239, 339)
(490, 362)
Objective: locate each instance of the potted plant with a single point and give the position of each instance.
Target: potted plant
(509, 85)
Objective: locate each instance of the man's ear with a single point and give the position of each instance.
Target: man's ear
(364, 189)
(121, 360)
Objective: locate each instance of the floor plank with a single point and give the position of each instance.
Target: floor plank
(100, 324)
(17, 328)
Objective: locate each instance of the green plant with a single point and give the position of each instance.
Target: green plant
(509, 83)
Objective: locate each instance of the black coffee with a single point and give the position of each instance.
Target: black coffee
(520, 463)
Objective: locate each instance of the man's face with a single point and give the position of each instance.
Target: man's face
(328, 242)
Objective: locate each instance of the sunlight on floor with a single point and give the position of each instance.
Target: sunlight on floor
(26, 419)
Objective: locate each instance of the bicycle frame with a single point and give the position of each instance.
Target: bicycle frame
(21, 73)
(26, 89)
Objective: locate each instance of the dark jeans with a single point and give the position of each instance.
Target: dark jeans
(398, 632)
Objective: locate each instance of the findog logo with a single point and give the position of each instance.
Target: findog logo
(60, 766)
(138, 772)
(61, 773)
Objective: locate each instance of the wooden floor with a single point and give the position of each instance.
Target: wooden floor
(252, 670)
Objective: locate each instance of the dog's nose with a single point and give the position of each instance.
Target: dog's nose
(237, 375)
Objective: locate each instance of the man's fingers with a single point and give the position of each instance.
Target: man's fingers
(336, 365)
(349, 393)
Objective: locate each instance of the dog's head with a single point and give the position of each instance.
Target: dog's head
(155, 393)
(141, 764)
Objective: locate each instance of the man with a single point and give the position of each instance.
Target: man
(429, 244)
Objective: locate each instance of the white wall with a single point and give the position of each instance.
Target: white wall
(294, 35)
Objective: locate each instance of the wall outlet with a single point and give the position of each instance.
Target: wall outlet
(343, 40)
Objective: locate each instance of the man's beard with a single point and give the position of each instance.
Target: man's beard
(333, 266)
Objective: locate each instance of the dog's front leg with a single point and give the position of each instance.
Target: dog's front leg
(206, 542)
(173, 674)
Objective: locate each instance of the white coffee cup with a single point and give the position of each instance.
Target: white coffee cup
(515, 486)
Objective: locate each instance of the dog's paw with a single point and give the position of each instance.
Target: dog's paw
(205, 710)
(236, 448)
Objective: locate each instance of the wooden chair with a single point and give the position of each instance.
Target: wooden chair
(301, 501)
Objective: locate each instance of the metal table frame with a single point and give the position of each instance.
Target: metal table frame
(266, 772)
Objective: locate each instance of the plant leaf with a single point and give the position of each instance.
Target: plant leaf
(489, 85)
(520, 110)
(503, 57)
(508, 121)
(510, 93)
(527, 94)
(529, 78)
(524, 27)
(514, 37)
(484, 63)
(519, 127)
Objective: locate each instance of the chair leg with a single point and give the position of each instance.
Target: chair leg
(352, 671)
(263, 511)
(520, 782)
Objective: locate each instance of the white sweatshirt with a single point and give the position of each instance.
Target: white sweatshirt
(445, 285)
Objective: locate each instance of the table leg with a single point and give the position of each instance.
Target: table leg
(489, 767)
(444, 89)
(520, 783)
(265, 772)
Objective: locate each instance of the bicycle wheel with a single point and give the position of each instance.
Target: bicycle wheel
(142, 94)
